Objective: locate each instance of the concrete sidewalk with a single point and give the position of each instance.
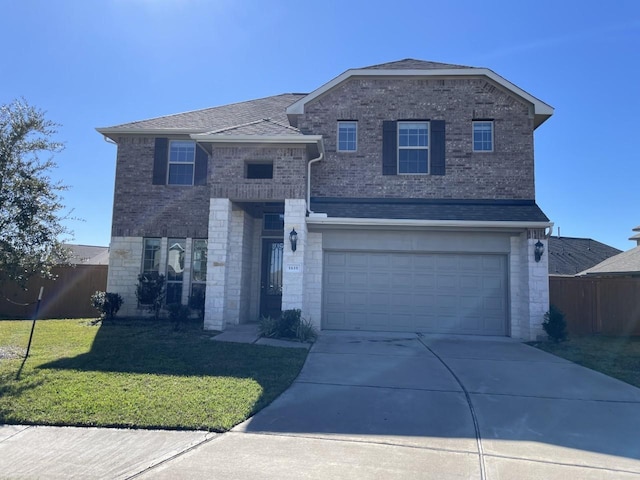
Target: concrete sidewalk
(381, 406)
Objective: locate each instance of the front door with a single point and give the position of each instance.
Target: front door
(271, 279)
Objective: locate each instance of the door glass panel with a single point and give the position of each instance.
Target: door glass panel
(274, 286)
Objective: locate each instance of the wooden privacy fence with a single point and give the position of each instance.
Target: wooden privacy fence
(68, 296)
(609, 306)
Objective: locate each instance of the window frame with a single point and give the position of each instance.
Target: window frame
(400, 147)
(202, 269)
(155, 258)
(347, 141)
(478, 122)
(178, 281)
(171, 162)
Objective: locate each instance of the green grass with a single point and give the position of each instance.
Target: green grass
(618, 357)
(138, 374)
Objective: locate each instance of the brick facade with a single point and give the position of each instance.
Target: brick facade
(228, 209)
(505, 173)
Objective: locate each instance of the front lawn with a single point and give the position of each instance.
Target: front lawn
(617, 357)
(136, 373)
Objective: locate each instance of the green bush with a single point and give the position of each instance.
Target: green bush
(107, 303)
(289, 324)
(306, 332)
(178, 314)
(555, 325)
(150, 291)
(268, 326)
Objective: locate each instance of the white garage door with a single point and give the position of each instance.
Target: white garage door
(433, 293)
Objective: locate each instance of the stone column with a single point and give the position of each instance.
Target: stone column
(295, 212)
(217, 268)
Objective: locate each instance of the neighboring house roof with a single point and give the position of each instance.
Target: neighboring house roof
(418, 68)
(570, 256)
(88, 254)
(625, 263)
(431, 209)
(213, 119)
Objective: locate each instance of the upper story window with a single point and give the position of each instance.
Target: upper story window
(413, 147)
(259, 170)
(182, 157)
(483, 136)
(347, 136)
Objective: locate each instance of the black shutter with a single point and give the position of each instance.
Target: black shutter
(437, 147)
(389, 148)
(200, 174)
(160, 160)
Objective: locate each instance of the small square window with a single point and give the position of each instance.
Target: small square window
(347, 136)
(483, 136)
(260, 170)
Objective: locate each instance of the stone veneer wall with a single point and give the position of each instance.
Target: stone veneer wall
(217, 258)
(295, 211)
(312, 306)
(505, 173)
(529, 287)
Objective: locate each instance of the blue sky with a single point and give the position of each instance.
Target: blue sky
(100, 63)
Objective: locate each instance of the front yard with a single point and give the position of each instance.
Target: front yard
(617, 357)
(136, 373)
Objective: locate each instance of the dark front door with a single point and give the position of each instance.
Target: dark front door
(271, 280)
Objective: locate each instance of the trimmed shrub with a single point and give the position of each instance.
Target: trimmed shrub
(268, 327)
(150, 291)
(555, 325)
(178, 314)
(306, 332)
(288, 324)
(107, 303)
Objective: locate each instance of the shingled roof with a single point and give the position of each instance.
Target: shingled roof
(570, 256)
(625, 263)
(219, 118)
(427, 209)
(413, 64)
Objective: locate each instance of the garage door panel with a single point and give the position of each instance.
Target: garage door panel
(446, 282)
(357, 280)
(439, 293)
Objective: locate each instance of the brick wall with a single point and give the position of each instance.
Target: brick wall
(141, 209)
(505, 173)
(227, 173)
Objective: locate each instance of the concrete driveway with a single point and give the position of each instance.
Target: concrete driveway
(400, 406)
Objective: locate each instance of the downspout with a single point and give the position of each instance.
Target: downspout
(313, 160)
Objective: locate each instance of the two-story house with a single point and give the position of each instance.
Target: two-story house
(397, 197)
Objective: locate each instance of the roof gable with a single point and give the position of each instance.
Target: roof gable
(418, 68)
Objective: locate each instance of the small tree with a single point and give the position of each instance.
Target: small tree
(150, 292)
(555, 325)
(107, 303)
(31, 227)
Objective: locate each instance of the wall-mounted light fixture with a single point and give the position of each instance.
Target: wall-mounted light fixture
(293, 238)
(538, 250)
